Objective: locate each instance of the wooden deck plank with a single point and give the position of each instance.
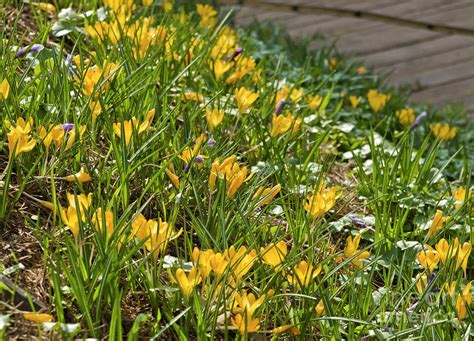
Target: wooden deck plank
(258, 14)
(389, 36)
(345, 4)
(385, 36)
(409, 70)
(412, 52)
(462, 90)
(438, 66)
(436, 77)
(438, 12)
(319, 18)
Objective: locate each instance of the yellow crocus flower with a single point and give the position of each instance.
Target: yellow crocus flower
(45, 7)
(103, 221)
(119, 5)
(237, 177)
(19, 142)
(97, 31)
(172, 176)
(193, 96)
(245, 323)
(4, 89)
(460, 195)
(95, 109)
(248, 303)
(156, 234)
(463, 256)
(428, 259)
(406, 116)
(437, 224)
(127, 128)
(463, 302)
(72, 136)
(214, 117)
(141, 227)
(38, 317)
(274, 254)
(242, 67)
(355, 100)
(320, 311)
(218, 170)
(189, 154)
(18, 137)
(234, 175)
(81, 177)
(421, 283)
(450, 288)
(219, 264)
(285, 92)
(377, 100)
(55, 134)
(281, 124)
(202, 259)
(296, 95)
(167, 5)
(71, 220)
(72, 215)
(244, 98)
(224, 43)
(320, 203)
(187, 283)
(303, 274)
(160, 233)
(84, 201)
(446, 251)
(146, 124)
(266, 194)
(361, 70)
(240, 261)
(220, 67)
(96, 75)
(282, 329)
(49, 205)
(315, 102)
(443, 132)
(208, 15)
(245, 306)
(352, 249)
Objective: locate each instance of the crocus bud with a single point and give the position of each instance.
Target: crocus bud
(33, 48)
(234, 55)
(68, 127)
(418, 120)
(280, 105)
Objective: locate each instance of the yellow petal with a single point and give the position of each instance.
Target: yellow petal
(38, 317)
(4, 89)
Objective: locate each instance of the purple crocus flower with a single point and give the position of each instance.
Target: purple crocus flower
(358, 222)
(68, 127)
(31, 48)
(431, 279)
(211, 142)
(418, 120)
(279, 106)
(199, 159)
(234, 55)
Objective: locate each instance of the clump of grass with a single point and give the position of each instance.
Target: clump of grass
(187, 180)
